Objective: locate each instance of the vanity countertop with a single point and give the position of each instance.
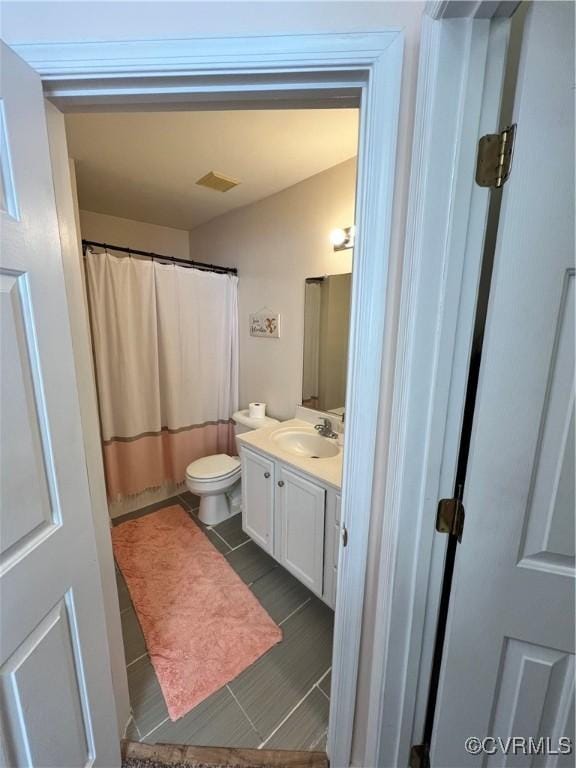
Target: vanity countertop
(328, 470)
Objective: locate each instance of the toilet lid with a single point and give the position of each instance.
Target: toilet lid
(218, 465)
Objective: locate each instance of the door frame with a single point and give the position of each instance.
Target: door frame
(463, 54)
(294, 70)
(64, 180)
(463, 47)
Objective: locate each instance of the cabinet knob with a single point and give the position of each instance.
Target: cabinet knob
(281, 483)
(266, 475)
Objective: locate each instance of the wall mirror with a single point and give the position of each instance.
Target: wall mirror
(326, 326)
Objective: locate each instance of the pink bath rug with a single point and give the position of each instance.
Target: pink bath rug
(202, 624)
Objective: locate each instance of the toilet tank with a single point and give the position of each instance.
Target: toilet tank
(243, 422)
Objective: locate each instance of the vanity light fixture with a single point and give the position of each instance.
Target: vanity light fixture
(342, 239)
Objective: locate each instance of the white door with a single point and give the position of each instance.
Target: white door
(258, 499)
(300, 510)
(56, 700)
(508, 666)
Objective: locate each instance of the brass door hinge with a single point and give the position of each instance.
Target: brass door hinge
(494, 160)
(450, 517)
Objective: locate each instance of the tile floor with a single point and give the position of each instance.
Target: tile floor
(282, 700)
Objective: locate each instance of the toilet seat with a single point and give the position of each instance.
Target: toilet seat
(216, 467)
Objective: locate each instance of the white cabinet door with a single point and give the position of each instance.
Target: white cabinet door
(55, 681)
(258, 498)
(300, 512)
(508, 666)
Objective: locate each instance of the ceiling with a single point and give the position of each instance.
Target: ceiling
(144, 166)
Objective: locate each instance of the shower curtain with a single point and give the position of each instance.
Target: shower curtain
(166, 353)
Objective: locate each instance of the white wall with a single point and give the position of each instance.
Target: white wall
(135, 234)
(67, 20)
(276, 244)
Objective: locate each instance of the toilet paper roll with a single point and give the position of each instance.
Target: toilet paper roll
(257, 410)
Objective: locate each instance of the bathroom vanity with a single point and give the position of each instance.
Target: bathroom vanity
(291, 479)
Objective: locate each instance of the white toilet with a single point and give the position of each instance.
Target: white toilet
(216, 479)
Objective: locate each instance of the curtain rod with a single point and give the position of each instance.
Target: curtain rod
(86, 244)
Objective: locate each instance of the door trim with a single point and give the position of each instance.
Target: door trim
(66, 208)
(353, 69)
(462, 61)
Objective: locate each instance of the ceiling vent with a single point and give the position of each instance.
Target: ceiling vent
(217, 181)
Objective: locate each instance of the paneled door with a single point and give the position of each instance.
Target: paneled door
(258, 499)
(508, 665)
(56, 700)
(300, 506)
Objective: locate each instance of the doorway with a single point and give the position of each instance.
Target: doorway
(174, 272)
(377, 146)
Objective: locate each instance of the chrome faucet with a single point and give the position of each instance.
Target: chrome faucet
(325, 429)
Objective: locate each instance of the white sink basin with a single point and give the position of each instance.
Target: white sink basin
(305, 443)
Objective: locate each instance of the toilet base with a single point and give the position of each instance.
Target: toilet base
(215, 508)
